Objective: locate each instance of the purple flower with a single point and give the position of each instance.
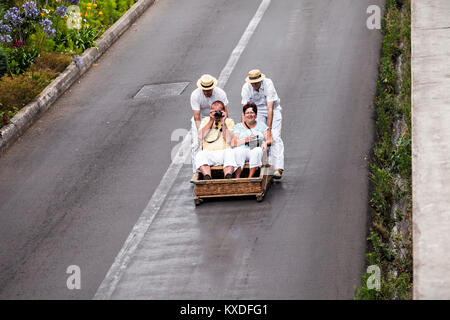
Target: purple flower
(30, 9)
(50, 32)
(5, 39)
(75, 2)
(60, 11)
(77, 59)
(4, 28)
(46, 22)
(13, 16)
(46, 25)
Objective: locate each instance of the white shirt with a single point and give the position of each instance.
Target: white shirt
(200, 102)
(266, 93)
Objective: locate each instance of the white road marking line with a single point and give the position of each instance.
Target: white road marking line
(236, 54)
(115, 273)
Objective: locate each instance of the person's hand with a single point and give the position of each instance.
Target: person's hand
(264, 146)
(250, 138)
(224, 117)
(211, 115)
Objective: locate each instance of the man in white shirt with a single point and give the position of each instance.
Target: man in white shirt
(261, 91)
(201, 100)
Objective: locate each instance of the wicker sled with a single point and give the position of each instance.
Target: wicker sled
(219, 187)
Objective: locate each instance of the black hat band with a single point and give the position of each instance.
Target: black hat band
(254, 78)
(209, 85)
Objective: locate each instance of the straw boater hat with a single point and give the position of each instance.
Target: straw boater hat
(255, 76)
(207, 82)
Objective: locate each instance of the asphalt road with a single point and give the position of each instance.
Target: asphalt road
(74, 185)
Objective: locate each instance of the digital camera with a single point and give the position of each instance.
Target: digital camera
(256, 142)
(218, 115)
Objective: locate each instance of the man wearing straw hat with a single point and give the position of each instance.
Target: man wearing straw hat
(201, 100)
(261, 91)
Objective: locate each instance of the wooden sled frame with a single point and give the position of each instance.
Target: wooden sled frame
(217, 188)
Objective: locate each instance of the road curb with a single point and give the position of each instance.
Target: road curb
(33, 110)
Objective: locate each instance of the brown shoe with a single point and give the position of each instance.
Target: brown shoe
(278, 173)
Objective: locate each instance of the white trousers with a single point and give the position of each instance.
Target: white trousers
(253, 156)
(276, 153)
(215, 158)
(194, 144)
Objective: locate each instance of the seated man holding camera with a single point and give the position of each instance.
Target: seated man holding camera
(215, 136)
(251, 138)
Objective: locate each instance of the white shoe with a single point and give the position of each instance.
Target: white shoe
(277, 174)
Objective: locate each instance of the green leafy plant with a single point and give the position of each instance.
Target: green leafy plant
(63, 41)
(73, 40)
(2, 9)
(110, 14)
(19, 59)
(401, 157)
(124, 5)
(381, 194)
(3, 62)
(83, 38)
